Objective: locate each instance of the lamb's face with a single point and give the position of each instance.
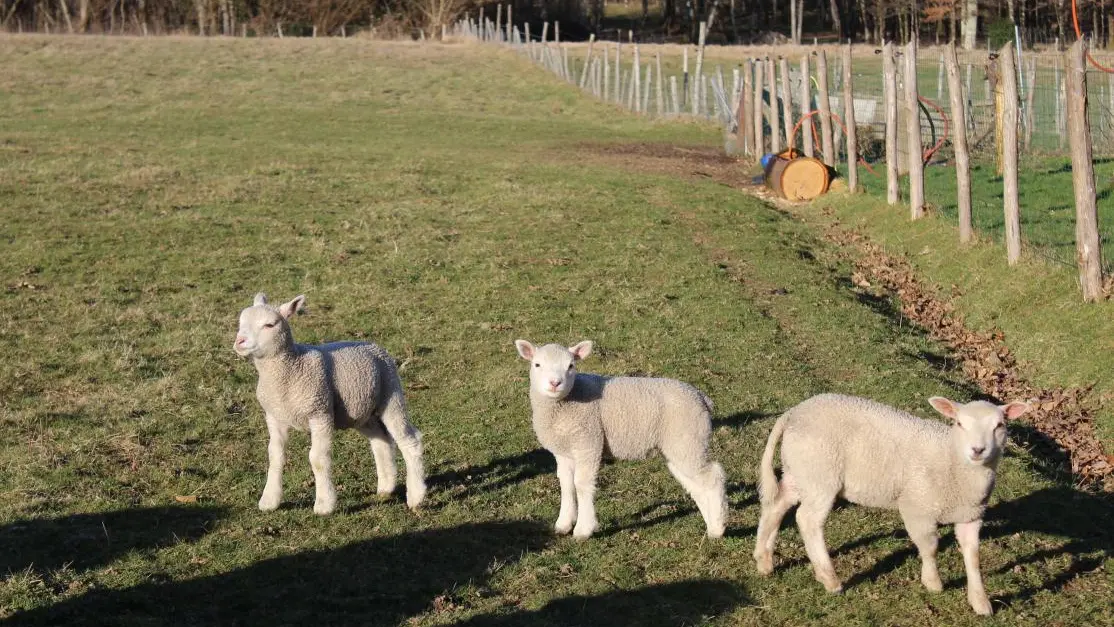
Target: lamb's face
(553, 367)
(264, 330)
(979, 428)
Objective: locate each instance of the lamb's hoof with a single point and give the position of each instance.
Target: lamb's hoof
(583, 533)
(764, 563)
(562, 529)
(933, 585)
(324, 508)
(981, 606)
(382, 496)
(716, 532)
(415, 497)
(269, 503)
(831, 585)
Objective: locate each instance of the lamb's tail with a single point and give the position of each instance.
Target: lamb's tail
(707, 402)
(767, 480)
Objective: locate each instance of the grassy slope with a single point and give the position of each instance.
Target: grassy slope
(1061, 340)
(421, 196)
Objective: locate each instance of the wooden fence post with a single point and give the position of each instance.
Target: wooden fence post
(849, 121)
(746, 102)
(588, 61)
(1007, 79)
(787, 100)
(759, 139)
(1088, 253)
(699, 63)
(889, 71)
(959, 143)
(806, 107)
(636, 83)
(913, 124)
(660, 85)
(824, 104)
(775, 115)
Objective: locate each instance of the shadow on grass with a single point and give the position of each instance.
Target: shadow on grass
(497, 474)
(681, 603)
(382, 581)
(1081, 518)
(86, 541)
(740, 419)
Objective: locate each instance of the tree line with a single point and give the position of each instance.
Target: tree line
(968, 22)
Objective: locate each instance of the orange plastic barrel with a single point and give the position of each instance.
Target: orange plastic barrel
(797, 178)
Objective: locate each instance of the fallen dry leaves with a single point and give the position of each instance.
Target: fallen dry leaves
(1065, 415)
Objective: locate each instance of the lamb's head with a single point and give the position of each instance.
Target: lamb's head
(264, 330)
(553, 367)
(979, 427)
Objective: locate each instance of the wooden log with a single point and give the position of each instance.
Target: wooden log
(913, 130)
(1088, 254)
(1007, 77)
(824, 104)
(849, 121)
(807, 127)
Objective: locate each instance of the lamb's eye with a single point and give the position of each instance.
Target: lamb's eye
(570, 366)
(269, 325)
(537, 365)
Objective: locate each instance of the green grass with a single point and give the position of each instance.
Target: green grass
(442, 201)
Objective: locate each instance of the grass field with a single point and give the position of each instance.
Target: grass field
(442, 201)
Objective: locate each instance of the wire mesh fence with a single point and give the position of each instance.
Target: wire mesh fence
(665, 80)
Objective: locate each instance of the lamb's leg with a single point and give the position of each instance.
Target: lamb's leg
(567, 516)
(705, 485)
(383, 449)
(810, 520)
(585, 470)
(409, 441)
(922, 531)
(770, 521)
(276, 459)
(321, 461)
(967, 534)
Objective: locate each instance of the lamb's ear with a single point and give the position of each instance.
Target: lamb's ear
(298, 305)
(260, 299)
(525, 349)
(1015, 409)
(944, 406)
(581, 350)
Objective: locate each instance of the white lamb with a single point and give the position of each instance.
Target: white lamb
(578, 417)
(875, 455)
(321, 389)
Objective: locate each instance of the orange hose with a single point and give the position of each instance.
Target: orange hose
(793, 135)
(1079, 35)
(947, 126)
